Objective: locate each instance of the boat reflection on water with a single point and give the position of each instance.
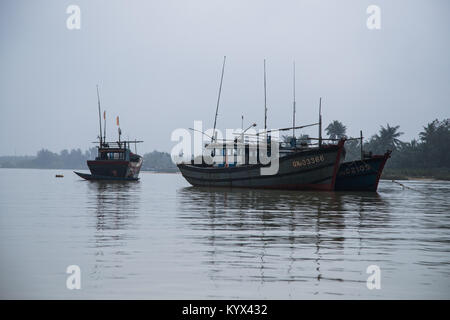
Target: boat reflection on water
(116, 207)
(285, 235)
(116, 203)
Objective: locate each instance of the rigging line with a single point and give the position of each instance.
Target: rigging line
(413, 189)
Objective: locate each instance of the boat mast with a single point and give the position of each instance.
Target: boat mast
(265, 97)
(104, 126)
(320, 122)
(99, 117)
(118, 128)
(242, 128)
(293, 108)
(361, 138)
(218, 99)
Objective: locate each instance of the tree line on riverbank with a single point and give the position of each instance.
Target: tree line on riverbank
(426, 156)
(76, 159)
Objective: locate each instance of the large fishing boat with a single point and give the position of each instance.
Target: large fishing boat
(114, 160)
(300, 167)
(363, 174)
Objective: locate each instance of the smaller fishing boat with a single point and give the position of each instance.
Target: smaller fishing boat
(363, 174)
(114, 161)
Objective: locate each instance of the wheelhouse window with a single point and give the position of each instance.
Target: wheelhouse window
(112, 155)
(116, 155)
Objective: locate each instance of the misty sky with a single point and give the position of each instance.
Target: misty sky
(158, 66)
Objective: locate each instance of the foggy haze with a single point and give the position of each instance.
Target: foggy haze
(158, 63)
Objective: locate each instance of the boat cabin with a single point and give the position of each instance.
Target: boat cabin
(234, 154)
(116, 151)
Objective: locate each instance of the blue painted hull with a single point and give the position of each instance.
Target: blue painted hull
(361, 175)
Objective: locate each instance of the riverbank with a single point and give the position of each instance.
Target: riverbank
(416, 174)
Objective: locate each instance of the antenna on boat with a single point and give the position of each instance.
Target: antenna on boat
(265, 97)
(293, 107)
(320, 122)
(99, 117)
(218, 99)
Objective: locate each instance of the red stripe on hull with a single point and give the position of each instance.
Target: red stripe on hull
(337, 163)
(386, 156)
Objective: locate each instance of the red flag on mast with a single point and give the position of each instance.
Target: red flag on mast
(117, 120)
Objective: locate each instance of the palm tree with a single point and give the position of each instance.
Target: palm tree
(388, 138)
(336, 130)
(434, 140)
(436, 130)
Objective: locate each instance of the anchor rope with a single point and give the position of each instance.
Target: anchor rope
(413, 189)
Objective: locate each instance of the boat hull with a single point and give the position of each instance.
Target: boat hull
(115, 168)
(88, 176)
(361, 175)
(313, 169)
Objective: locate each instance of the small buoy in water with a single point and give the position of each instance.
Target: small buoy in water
(59, 176)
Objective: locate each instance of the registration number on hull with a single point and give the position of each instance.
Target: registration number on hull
(308, 161)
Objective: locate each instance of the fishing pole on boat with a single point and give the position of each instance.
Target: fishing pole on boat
(290, 128)
(99, 117)
(262, 133)
(201, 133)
(218, 98)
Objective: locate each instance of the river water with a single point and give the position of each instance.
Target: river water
(159, 238)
